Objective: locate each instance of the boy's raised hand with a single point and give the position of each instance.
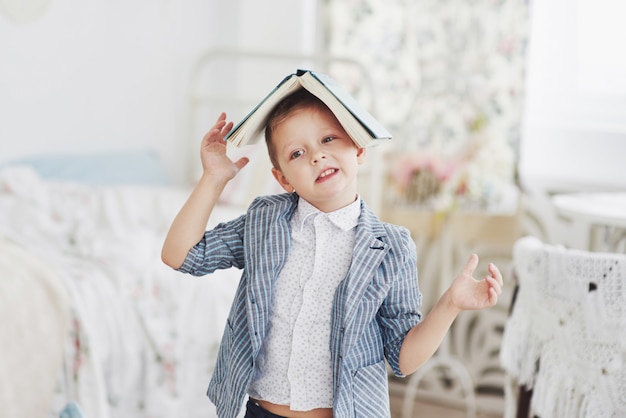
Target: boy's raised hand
(215, 162)
(469, 293)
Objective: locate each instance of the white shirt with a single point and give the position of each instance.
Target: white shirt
(294, 365)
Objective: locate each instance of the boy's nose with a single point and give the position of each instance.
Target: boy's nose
(317, 156)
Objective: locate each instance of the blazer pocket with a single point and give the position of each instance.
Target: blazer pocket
(371, 391)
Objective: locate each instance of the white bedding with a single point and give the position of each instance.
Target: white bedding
(137, 338)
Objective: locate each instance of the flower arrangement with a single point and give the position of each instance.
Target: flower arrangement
(477, 177)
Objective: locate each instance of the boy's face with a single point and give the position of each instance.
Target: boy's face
(317, 158)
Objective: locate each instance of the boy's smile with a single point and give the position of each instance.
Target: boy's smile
(326, 173)
(317, 158)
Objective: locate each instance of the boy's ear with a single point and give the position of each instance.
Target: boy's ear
(282, 180)
(360, 155)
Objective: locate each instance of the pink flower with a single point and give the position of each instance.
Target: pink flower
(410, 164)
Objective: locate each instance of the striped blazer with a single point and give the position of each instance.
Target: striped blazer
(374, 306)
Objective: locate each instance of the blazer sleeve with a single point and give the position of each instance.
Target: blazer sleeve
(219, 248)
(400, 310)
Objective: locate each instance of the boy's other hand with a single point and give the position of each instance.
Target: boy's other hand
(468, 293)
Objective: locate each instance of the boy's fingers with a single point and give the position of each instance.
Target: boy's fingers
(495, 284)
(211, 134)
(241, 163)
(494, 296)
(495, 271)
(471, 265)
(226, 129)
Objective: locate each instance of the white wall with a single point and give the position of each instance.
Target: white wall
(97, 75)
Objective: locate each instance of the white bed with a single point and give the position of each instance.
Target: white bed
(89, 312)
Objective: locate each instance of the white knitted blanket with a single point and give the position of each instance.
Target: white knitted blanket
(565, 337)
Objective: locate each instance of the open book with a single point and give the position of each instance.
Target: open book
(358, 122)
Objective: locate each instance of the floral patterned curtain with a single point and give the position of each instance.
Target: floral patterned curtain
(449, 78)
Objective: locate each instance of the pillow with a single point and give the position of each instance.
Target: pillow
(143, 167)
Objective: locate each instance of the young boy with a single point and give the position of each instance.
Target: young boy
(328, 291)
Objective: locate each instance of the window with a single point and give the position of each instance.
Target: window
(574, 130)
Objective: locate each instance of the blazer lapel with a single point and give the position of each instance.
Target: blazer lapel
(370, 249)
(267, 246)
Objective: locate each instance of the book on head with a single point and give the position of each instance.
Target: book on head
(362, 127)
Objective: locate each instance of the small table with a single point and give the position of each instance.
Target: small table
(606, 210)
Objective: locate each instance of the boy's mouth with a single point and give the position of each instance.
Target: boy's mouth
(326, 173)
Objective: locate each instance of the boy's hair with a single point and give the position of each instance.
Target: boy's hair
(300, 99)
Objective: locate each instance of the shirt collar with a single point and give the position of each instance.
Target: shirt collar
(345, 218)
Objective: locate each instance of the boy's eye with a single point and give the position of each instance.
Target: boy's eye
(296, 154)
(327, 139)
